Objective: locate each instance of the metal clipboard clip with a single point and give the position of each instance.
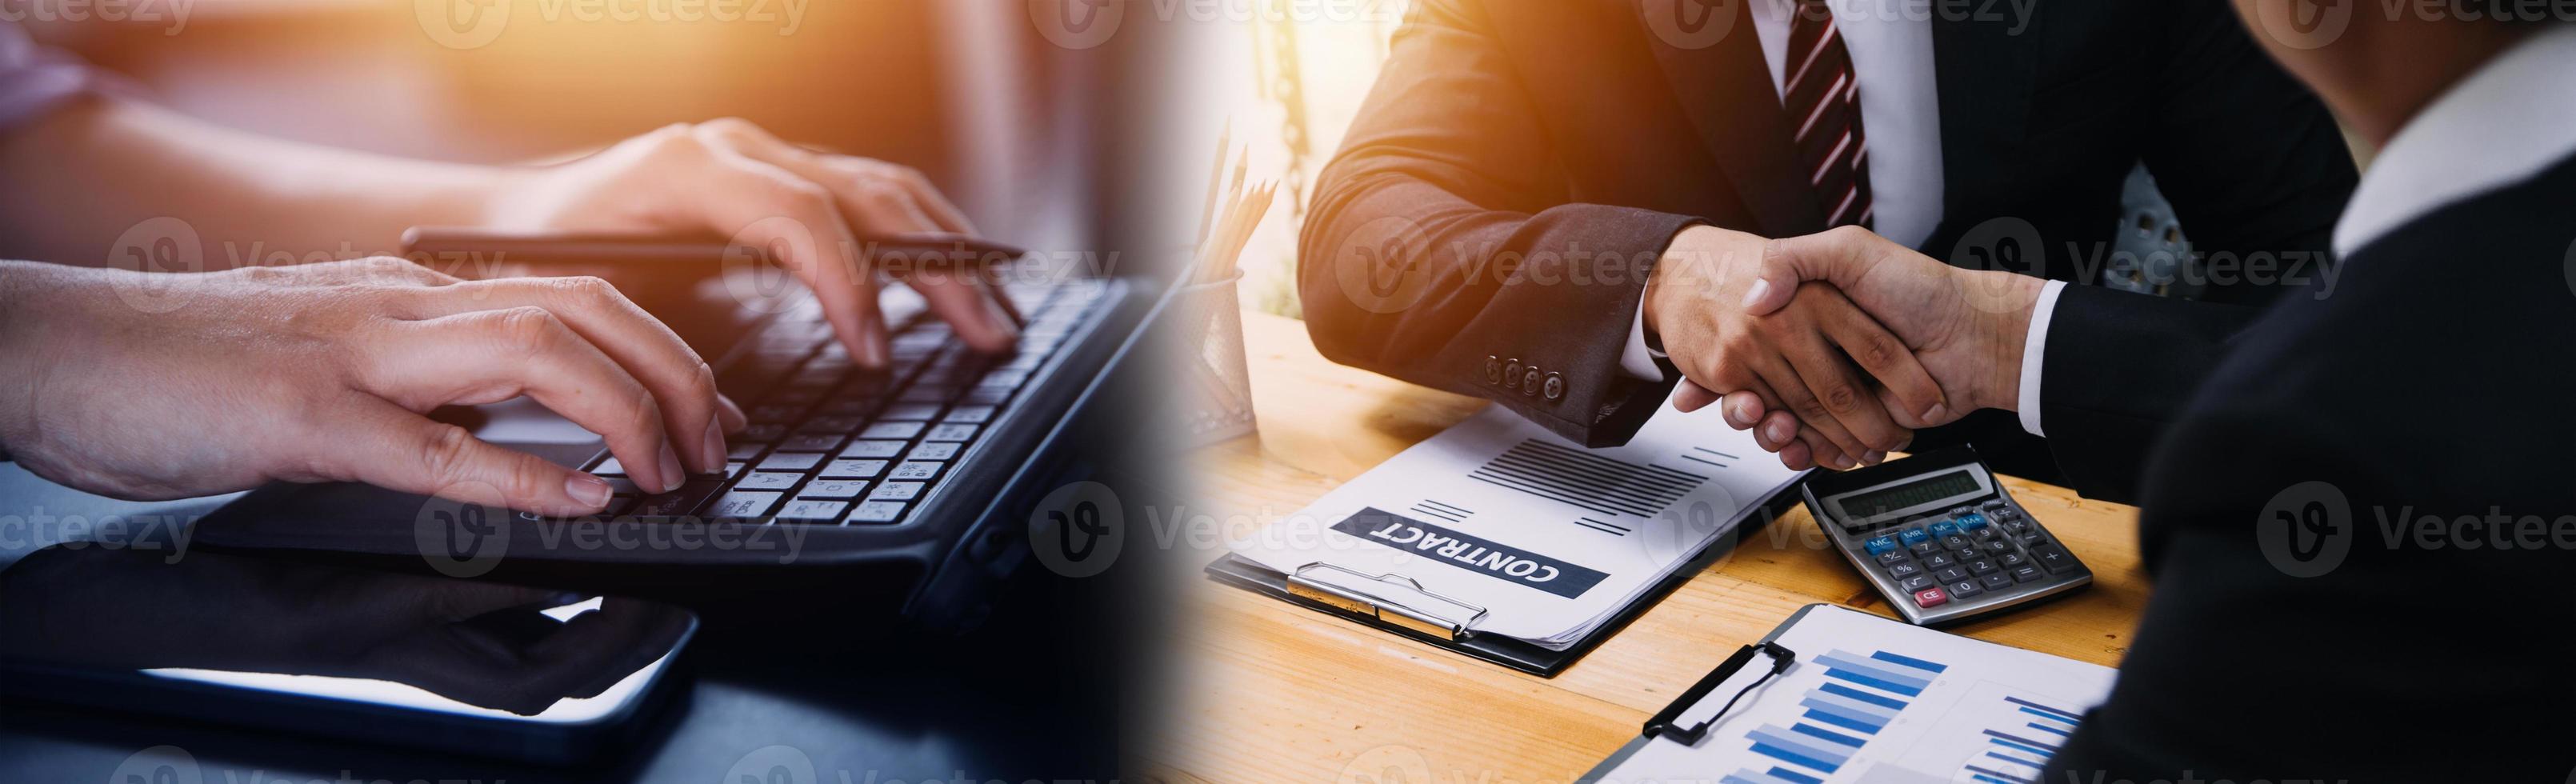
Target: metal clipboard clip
(1666, 723)
(1398, 613)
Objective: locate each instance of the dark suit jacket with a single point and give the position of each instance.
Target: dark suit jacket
(2434, 381)
(1521, 164)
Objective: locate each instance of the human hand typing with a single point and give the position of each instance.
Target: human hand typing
(1813, 355)
(1966, 327)
(325, 372)
(733, 178)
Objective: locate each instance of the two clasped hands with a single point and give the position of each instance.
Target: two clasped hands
(1835, 347)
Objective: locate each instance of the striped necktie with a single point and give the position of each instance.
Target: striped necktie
(1823, 100)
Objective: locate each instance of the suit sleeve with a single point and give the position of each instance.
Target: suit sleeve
(1441, 250)
(2254, 165)
(2119, 368)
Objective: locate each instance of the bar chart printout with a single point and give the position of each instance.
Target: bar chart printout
(2020, 744)
(1860, 695)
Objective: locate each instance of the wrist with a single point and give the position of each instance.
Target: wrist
(1689, 263)
(2004, 303)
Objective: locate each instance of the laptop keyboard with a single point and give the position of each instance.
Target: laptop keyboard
(832, 445)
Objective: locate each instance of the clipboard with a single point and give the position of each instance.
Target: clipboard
(1663, 721)
(1455, 630)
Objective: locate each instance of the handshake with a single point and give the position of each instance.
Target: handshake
(1835, 347)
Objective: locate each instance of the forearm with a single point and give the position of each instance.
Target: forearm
(115, 164)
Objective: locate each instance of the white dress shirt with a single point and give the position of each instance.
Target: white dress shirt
(1891, 54)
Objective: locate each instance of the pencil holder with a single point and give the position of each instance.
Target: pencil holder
(1216, 398)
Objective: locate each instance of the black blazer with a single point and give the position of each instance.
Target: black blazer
(1490, 222)
(2434, 381)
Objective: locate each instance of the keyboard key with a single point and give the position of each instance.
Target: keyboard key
(872, 449)
(813, 512)
(810, 442)
(1950, 575)
(854, 469)
(985, 396)
(1893, 557)
(745, 450)
(973, 415)
(1931, 597)
(733, 470)
(1940, 560)
(1913, 536)
(1997, 581)
(1923, 549)
(950, 432)
(927, 393)
(744, 504)
(918, 471)
(1972, 521)
(1914, 583)
(1905, 570)
(878, 512)
(2053, 559)
(768, 480)
(896, 491)
(677, 502)
(934, 451)
(848, 407)
(1982, 567)
(911, 412)
(791, 461)
(1945, 529)
(2011, 560)
(833, 425)
(892, 430)
(760, 432)
(2027, 573)
(1956, 542)
(1880, 546)
(833, 488)
(1964, 588)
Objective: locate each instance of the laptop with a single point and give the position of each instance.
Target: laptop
(914, 484)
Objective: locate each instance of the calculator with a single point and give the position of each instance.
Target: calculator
(1940, 538)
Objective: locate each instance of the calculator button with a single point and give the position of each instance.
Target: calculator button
(1940, 561)
(1962, 511)
(1931, 597)
(1893, 557)
(1880, 545)
(2015, 527)
(1991, 505)
(1914, 583)
(2027, 573)
(2033, 538)
(1997, 581)
(1996, 547)
(1945, 529)
(2050, 557)
(1924, 549)
(1950, 575)
(1982, 567)
(1962, 589)
(1904, 570)
(1913, 536)
(1973, 521)
(1984, 533)
(1956, 542)
(2011, 560)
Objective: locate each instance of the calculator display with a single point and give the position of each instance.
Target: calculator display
(1921, 491)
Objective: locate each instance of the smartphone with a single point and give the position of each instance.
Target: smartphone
(448, 665)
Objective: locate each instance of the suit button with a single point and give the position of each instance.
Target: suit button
(1555, 387)
(1512, 374)
(1529, 381)
(1493, 369)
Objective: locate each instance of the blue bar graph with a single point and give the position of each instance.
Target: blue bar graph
(1861, 695)
(2013, 756)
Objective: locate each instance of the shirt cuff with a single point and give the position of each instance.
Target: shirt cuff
(2034, 348)
(1639, 359)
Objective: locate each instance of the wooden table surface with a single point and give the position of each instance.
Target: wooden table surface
(1264, 691)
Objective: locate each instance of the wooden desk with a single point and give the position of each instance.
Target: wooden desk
(1265, 691)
